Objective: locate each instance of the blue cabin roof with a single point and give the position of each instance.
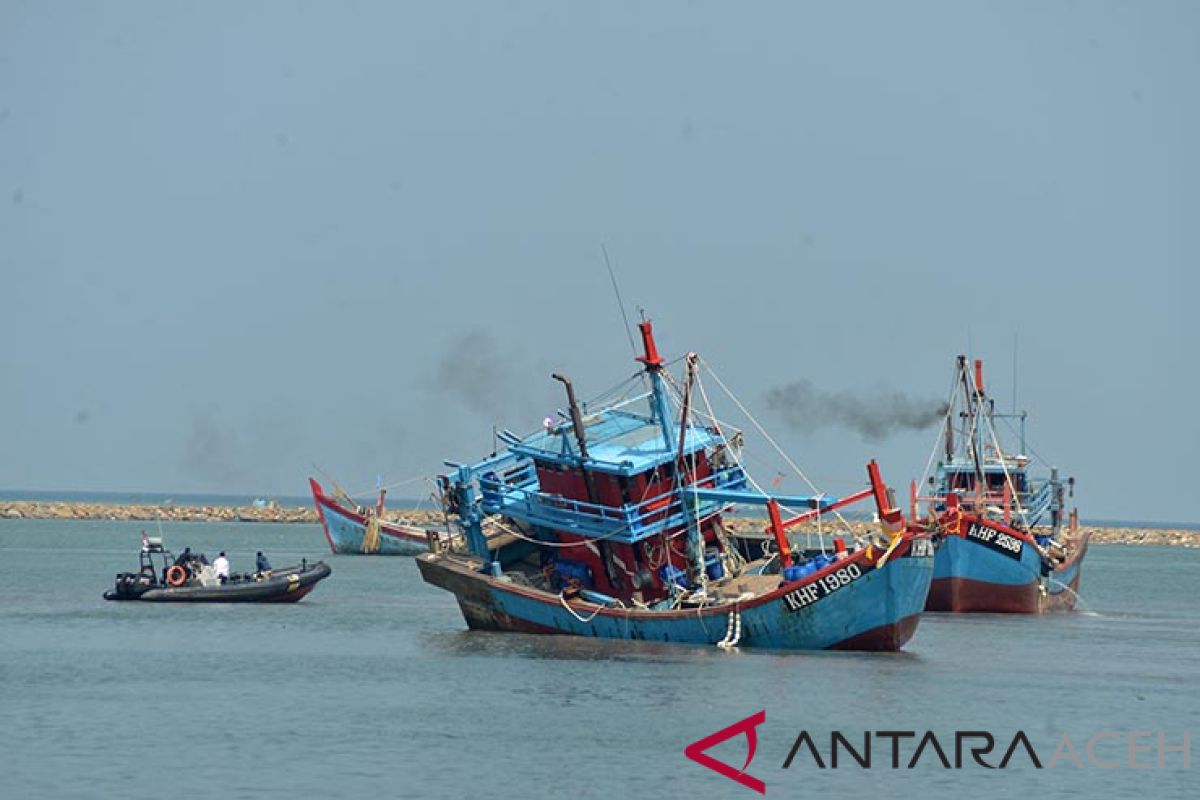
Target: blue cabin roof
(989, 467)
(618, 442)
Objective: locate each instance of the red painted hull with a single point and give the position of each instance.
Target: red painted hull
(965, 596)
(885, 638)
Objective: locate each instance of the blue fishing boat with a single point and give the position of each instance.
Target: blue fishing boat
(353, 529)
(1004, 543)
(607, 522)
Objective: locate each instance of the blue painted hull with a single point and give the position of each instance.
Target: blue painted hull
(971, 577)
(879, 611)
(346, 531)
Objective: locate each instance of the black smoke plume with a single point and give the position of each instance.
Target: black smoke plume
(473, 371)
(872, 416)
(211, 453)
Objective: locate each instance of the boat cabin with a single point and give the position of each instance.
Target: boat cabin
(621, 504)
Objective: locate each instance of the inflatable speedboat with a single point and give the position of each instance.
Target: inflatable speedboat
(163, 578)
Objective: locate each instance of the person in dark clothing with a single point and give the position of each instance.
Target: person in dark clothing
(184, 557)
(261, 564)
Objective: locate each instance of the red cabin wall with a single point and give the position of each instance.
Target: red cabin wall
(569, 483)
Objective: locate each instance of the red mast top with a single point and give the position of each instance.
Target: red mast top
(652, 358)
(979, 375)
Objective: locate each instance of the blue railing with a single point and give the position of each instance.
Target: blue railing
(1037, 504)
(515, 494)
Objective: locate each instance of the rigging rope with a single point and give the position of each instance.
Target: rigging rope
(770, 440)
(405, 482)
(950, 405)
(563, 600)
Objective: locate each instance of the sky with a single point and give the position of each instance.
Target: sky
(240, 239)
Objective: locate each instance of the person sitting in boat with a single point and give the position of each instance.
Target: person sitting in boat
(221, 566)
(184, 557)
(261, 565)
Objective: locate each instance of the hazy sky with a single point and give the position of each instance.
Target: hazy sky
(239, 238)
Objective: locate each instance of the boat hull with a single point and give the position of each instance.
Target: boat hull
(878, 611)
(970, 577)
(287, 585)
(346, 530)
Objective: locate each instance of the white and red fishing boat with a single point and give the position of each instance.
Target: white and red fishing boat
(353, 529)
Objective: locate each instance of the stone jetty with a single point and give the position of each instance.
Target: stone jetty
(1149, 536)
(41, 509)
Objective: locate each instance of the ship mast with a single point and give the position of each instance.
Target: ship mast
(973, 398)
(660, 411)
(689, 503)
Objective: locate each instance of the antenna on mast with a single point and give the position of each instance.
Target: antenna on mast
(620, 303)
(1014, 411)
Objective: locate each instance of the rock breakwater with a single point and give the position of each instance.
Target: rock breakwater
(1137, 536)
(41, 509)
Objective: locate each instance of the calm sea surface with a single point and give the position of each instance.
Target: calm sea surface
(372, 687)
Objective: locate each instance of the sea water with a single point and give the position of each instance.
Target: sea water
(372, 687)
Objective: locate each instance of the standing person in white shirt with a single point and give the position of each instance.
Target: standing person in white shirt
(221, 565)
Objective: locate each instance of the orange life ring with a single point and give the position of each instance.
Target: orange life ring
(176, 576)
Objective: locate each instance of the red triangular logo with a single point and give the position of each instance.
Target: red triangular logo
(695, 751)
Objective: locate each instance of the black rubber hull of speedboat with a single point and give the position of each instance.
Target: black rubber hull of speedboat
(284, 586)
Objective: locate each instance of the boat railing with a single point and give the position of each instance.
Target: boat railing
(631, 522)
(1037, 504)
(1032, 506)
(1042, 497)
(522, 475)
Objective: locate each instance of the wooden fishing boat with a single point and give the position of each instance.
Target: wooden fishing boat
(357, 530)
(164, 579)
(607, 522)
(1004, 542)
